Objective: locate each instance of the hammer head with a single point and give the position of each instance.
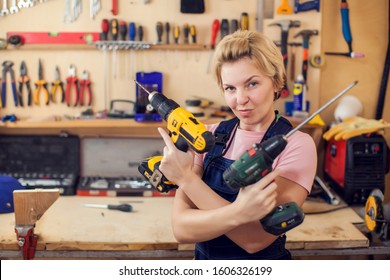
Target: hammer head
(306, 34)
(286, 24)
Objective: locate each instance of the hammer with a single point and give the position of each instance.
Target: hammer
(306, 34)
(285, 26)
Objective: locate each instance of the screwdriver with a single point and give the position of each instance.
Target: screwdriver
(159, 29)
(224, 27)
(176, 34)
(140, 32)
(214, 32)
(121, 207)
(105, 27)
(193, 33)
(167, 32)
(244, 21)
(123, 30)
(114, 29)
(132, 31)
(186, 32)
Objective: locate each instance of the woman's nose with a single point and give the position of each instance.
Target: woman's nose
(242, 97)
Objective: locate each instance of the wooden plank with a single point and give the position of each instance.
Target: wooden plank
(30, 205)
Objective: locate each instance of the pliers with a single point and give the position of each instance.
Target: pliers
(7, 67)
(85, 85)
(24, 79)
(57, 84)
(72, 81)
(41, 84)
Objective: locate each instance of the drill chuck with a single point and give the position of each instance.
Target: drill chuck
(255, 163)
(162, 104)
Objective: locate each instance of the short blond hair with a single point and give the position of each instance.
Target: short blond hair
(257, 47)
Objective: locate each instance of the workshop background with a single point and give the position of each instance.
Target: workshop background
(185, 67)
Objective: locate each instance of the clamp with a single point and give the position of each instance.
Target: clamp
(72, 81)
(7, 67)
(85, 85)
(27, 240)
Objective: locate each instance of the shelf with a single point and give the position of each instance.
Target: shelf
(111, 46)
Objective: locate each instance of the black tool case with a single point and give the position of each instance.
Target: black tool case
(42, 161)
(109, 166)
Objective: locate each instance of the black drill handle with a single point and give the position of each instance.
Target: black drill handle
(181, 144)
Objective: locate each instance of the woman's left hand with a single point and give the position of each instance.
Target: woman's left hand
(175, 164)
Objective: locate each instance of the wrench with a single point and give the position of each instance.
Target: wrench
(5, 10)
(14, 8)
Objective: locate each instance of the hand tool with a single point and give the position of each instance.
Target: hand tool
(329, 196)
(41, 84)
(57, 84)
(257, 162)
(264, 10)
(24, 79)
(377, 215)
(214, 32)
(123, 30)
(56, 37)
(159, 30)
(186, 33)
(105, 28)
(185, 131)
(306, 6)
(85, 86)
(193, 33)
(167, 32)
(121, 207)
(344, 11)
(176, 34)
(114, 9)
(72, 81)
(140, 32)
(234, 25)
(284, 8)
(132, 31)
(94, 8)
(7, 67)
(224, 28)
(285, 26)
(114, 29)
(244, 21)
(306, 34)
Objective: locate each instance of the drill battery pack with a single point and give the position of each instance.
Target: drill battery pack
(42, 161)
(144, 111)
(354, 167)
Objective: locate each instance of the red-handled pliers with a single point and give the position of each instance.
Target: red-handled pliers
(85, 86)
(72, 80)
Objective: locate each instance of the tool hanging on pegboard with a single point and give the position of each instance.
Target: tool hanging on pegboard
(15, 7)
(94, 7)
(72, 10)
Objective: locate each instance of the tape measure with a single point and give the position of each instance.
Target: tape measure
(317, 60)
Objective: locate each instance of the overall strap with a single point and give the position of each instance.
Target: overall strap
(280, 126)
(222, 135)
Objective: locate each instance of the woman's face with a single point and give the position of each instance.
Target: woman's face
(248, 93)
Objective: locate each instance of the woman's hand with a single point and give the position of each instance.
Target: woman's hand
(175, 164)
(257, 200)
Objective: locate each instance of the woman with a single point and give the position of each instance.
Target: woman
(222, 221)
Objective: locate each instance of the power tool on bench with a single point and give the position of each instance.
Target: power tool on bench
(185, 131)
(257, 162)
(377, 215)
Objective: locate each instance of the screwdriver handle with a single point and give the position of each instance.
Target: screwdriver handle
(344, 10)
(214, 31)
(159, 30)
(123, 30)
(224, 27)
(193, 33)
(132, 31)
(244, 21)
(120, 207)
(114, 29)
(140, 33)
(105, 28)
(167, 32)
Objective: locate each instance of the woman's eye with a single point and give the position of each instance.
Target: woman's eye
(229, 89)
(253, 84)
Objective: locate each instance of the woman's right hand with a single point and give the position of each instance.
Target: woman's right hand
(255, 201)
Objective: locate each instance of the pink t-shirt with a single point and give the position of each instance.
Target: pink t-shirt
(297, 162)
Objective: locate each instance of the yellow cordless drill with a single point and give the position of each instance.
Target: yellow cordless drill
(185, 131)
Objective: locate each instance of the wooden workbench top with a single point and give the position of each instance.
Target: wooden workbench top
(67, 225)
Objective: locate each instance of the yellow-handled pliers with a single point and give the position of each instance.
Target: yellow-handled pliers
(57, 85)
(41, 84)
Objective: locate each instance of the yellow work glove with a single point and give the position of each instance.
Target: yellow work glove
(351, 127)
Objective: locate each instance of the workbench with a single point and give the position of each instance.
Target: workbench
(69, 230)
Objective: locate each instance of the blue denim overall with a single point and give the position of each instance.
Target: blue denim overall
(214, 166)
